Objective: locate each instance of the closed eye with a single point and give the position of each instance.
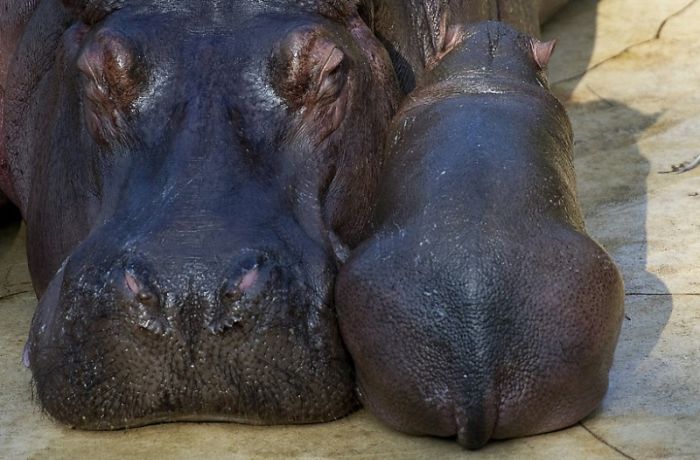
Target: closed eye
(333, 75)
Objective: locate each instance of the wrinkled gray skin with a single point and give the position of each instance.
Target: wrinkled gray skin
(480, 308)
(190, 174)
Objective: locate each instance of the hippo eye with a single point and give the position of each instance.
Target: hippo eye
(333, 75)
(111, 83)
(310, 73)
(310, 69)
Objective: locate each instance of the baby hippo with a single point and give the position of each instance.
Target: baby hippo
(479, 307)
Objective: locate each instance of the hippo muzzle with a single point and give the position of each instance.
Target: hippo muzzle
(181, 309)
(121, 340)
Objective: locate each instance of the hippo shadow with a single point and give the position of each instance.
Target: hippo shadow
(10, 224)
(612, 174)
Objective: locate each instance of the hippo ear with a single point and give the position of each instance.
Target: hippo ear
(542, 51)
(448, 37)
(329, 66)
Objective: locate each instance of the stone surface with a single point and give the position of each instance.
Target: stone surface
(628, 72)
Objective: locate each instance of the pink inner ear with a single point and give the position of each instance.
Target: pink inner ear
(542, 51)
(449, 37)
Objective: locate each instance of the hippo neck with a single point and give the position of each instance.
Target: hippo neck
(477, 81)
(465, 62)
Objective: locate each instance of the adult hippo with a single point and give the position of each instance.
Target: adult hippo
(185, 171)
(480, 308)
(190, 174)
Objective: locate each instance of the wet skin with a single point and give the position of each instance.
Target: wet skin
(192, 177)
(479, 308)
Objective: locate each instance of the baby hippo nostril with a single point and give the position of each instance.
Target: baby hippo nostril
(144, 303)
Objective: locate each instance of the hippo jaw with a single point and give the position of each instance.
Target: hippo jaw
(105, 356)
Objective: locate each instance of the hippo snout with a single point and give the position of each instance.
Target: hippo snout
(245, 335)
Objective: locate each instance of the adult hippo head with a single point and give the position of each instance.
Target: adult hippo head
(188, 171)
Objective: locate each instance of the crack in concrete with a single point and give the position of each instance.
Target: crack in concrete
(656, 36)
(661, 294)
(14, 294)
(599, 438)
(677, 13)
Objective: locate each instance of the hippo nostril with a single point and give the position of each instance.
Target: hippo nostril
(249, 279)
(246, 284)
(230, 314)
(146, 298)
(239, 293)
(144, 303)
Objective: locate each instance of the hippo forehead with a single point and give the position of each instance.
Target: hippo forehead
(232, 37)
(226, 57)
(492, 38)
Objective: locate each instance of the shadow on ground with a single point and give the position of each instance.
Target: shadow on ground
(614, 196)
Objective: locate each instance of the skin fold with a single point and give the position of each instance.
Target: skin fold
(479, 307)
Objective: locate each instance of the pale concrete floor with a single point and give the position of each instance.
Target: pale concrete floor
(636, 111)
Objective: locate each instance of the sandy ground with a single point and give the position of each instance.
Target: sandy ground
(629, 72)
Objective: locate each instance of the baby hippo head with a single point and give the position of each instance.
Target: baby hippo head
(490, 48)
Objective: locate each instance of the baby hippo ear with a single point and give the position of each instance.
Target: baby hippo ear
(542, 51)
(449, 37)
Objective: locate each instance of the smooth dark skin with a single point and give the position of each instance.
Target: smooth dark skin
(480, 308)
(191, 171)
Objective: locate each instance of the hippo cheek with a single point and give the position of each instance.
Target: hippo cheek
(44, 320)
(120, 347)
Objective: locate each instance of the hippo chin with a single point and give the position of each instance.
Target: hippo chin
(187, 179)
(480, 308)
